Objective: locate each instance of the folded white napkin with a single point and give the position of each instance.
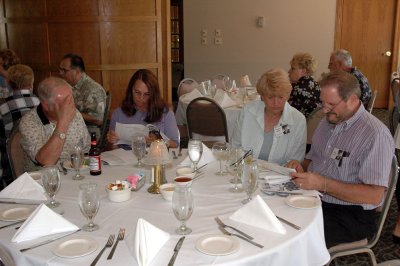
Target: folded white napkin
(118, 157)
(223, 99)
(146, 242)
(24, 188)
(43, 222)
(206, 157)
(257, 213)
(190, 96)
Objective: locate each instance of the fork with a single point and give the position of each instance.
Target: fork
(240, 236)
(220, 223)
(109, 243)
(121, 236)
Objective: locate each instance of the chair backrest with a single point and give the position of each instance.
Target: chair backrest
(15, 152)
(372, 101)
(205, 117)
(219, 81)
(312, 122)
(395, 86)
(187, 85)
(104, 127)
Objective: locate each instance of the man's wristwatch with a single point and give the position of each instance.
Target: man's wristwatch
(61, 135)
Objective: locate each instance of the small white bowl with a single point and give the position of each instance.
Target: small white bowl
(119, 195)
(167, 190)
(185, 171)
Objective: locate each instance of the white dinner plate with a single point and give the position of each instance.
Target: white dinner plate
(15, 214)
(67, 165)
(217, 245)
(76, 247)
(303, 202)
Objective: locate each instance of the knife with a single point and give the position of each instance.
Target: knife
(176, 250)
(288, 223)
(48, 241)
(20, 202)
(5, 226)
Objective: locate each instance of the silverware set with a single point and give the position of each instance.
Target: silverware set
(121, 236)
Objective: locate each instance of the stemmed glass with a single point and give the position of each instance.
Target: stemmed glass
(182, 206)
(235, 167)
(51, 183)
(77, 158)
(220, 150)
(89, 204)
(195, 150)
(249, 180)
(139, 148)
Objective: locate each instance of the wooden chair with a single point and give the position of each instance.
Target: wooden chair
(15, 152)
(187, 85)
(372, 101)
(365, 246)
(106, 123)
(205, 117)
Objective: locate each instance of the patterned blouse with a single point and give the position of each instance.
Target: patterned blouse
(305, 95)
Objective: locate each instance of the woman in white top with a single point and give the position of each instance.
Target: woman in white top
(273, 129)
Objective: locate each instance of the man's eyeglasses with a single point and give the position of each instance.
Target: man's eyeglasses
(63, 70)
(330, 107)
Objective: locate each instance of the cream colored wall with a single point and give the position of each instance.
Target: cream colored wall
(289, 27)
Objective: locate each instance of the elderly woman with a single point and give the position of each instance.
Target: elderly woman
(273, 129)
(143, 105)
(7, 58)
(306, 91)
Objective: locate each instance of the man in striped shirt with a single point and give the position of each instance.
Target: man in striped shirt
(349, 161)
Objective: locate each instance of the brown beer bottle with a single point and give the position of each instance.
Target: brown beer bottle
(94, 156)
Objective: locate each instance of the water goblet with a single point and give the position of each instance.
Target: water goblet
(139, 148)
(195, 150)
(235, 166)
(89, 204)
(51, 184)
(220, 150)
(182, 206)
(249, 180)
(77, 158)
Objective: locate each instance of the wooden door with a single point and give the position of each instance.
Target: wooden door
(366, 28)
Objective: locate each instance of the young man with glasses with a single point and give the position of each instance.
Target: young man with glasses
(349, 161)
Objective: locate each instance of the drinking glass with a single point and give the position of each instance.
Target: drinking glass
(89, 204)
(51, 184)
(195, 150)
(220, 150)
(182, 206)
(249, 179)
(77, 158)
(235, 167)
(139, 148)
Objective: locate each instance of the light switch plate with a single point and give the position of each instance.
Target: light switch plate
(218, 33)
(203, 33)
(218, 41)
(203, 40)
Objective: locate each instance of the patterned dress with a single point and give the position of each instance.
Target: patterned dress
(305, 95)
(364, 86)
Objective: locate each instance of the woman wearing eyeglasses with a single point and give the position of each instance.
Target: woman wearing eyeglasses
(273, 129)
(143, 105)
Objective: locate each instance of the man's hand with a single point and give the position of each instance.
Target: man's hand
(65, 111)
(112, 136)
(296, 165)
(308, 180)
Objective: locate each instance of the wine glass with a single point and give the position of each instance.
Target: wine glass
(139, 148)
(220, 150)
(249, 179)
(195, 150)
(235, 166)
(77, 158)
(89, 204)
(51, 184)
(182, 206)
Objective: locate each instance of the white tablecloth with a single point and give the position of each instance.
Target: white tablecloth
(304, 247)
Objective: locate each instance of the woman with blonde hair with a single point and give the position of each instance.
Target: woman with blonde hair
(306, 91)
(273, 129)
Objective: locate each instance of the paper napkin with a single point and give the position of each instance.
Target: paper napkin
(190, 96)
(206, 157)
(146, 242)
(43, 222)
(24, 188)
(257, 213)
(223, 99)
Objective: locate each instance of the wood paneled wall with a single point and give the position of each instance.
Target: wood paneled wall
(114, 37)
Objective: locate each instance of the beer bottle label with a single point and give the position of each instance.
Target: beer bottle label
(95, 164)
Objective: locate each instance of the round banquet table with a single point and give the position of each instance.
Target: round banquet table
(211, 199)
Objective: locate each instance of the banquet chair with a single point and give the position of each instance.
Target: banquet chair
(312, 123)
(395, 115)
(205, 117)
(106, 123)
(187, 85)
(219, 81)
(365, 245)
(372, 101)
(14, 152)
